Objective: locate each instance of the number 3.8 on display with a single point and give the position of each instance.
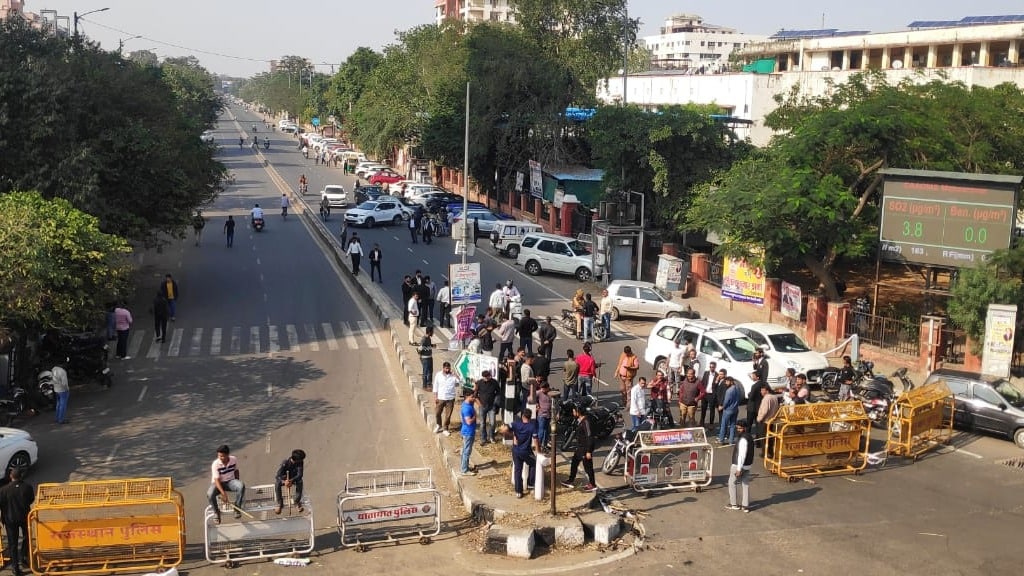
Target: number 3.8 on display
(914, 229)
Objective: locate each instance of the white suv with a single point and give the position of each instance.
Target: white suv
(380, 211)
(728, 348)
(540, 252)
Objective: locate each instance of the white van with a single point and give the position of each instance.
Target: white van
(507, 236)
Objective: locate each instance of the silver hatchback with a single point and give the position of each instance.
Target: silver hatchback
(634, 298)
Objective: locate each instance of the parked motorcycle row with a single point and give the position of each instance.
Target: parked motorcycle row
(877, 393)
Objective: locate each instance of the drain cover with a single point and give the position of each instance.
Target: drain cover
(1016, 463)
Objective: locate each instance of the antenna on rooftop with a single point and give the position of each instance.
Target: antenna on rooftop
(822, 19)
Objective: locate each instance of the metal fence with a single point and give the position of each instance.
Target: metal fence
(954, 345)
(892, 334)
(715, 273)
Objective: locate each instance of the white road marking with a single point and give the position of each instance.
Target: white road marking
(154, 350)
(113, 452)
(270, 389)
(258, 261)
(332, 344)
(410, 250)
(236, 340)
(136, 342)
(425, 261)
(293, 338)
(314, 344)
(268, 442)
(396, 238)
(274, 345)
(364, 329)
(265, 297)
(261, 277)
(175, 346)
(215, 342)
(349, 336)
(142, 394)
(197, 342)
(254, 339)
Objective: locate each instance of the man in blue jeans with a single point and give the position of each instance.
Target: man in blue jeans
(525, 445)
(468, 431)
(730, 410)
(426, 352)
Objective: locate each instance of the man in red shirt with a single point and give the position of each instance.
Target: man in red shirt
(588, 370)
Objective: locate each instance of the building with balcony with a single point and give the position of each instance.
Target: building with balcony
(473, 11)
(980, 51)
(686, 42)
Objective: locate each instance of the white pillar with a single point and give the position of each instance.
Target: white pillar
(983, 55)
(538, 478)
(846, 60)
(958, 55)
(886, 57)
(1012, 54)
(908, 56)
(933, 56)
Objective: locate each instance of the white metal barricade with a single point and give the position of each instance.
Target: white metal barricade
(388, 506)
(260, 533)
(669, 460)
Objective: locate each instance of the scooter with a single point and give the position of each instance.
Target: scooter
(515, 308)
(257, 224)
(86, 355)
(44, 386)
(16, 405)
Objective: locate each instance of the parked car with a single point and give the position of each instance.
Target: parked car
(385, 176)
(381, 211)
(636, 298)
(984, 403)
(434, 197)
(418, 189)
(507, 236)
(486, 219)
(335, 195)
(784, 345)
(364, 193)
(208, 137)
(717, 341)
(363, 168)
(541, 252)
(17, 449)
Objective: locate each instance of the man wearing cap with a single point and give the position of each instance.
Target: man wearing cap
(739, 467)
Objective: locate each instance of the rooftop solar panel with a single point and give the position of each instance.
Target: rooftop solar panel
(1004, 19)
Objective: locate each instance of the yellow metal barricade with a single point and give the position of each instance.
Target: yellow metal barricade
(106, 526)
(921, 419)
(669, 460)
(817, 440)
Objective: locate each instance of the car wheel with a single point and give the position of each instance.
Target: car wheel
(615, 313)
(397, 220)
(20, 460)
(369, 222)
(583, 274)
(672, 315)
(1018, 438)
(513, 251)
(532, 267)
(662, 365)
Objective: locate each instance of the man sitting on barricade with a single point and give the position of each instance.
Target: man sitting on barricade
(226, 478)
(289, 475)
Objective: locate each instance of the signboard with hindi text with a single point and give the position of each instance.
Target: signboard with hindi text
(465, 283)
(997, 352)
(742, 282)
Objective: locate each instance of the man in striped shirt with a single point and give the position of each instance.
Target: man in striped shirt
(225, 478)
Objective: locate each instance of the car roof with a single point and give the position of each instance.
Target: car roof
(637, 283)
(547, 236)
(699, 326)
(765, 327)
(334, 186)
(965, 374)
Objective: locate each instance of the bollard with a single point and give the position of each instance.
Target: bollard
(538, 478)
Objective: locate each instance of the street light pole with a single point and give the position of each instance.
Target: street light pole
(83, 15)
(120, 43)
(465, 186)
(625, 49)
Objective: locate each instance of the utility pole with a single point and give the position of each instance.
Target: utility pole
(120, 43)
(78, 17)
(466, 225)
(625, 49)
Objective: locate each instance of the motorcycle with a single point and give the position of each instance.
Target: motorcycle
(515, 308)
(85, 355)
(603, 420)
(878, 395)
(44, 387)
(16, 405)
(618, 451)
(830, 383)
(257, 224)
(569, 325)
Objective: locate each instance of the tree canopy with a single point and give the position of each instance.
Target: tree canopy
(1000, 280)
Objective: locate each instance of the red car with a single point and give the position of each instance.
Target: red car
(386, 176)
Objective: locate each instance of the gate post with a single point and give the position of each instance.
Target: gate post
(931, 346)
(836, 325)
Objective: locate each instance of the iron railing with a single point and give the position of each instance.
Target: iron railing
(715, 273)
(954, 345)
(893, 334)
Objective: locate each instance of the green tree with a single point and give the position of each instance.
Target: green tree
(348, 84)
(59, 268)
(997, 281)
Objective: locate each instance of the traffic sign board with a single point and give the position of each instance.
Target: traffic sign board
(469, 366)
(316, 120)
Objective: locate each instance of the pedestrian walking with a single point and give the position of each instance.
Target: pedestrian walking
(527, 326)
(198, 223)
(375, 258)
(546, 333)
(710, 382)
(15, 503)
(525, 445)
(739, 467)
(626, 370)
(543, 401)
(445, 386)
(476, 230)
(111, 330)
(355, 252)
(584, 452)
(61, 389)
(588, 369)
(229, 231)
(424, 293)
(413, 229)
(638, 402)
(571, 375)
(123, 323)
(170, 288)
(468, 430)
(426, 354)
(344, 235)
(412, 312)
(289, 475)
(161, 311)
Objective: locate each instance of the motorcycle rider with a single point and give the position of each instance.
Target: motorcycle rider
(661, 395)
(256, 214)
(302, 184)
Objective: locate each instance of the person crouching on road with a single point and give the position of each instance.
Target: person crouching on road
(225, 478)
(289, 474)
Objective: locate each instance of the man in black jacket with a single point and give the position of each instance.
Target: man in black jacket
(289, 474)
(709, 381)
(584, 452)
(15, 503)
(406, 296)
(739, 467)
(527, 326)
(547, 334)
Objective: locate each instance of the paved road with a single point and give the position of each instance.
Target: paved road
(269, 352)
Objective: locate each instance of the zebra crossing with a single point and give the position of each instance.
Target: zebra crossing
(242, 340)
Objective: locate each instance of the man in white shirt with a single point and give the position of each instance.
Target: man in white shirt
(739, 467)
(497, 300)
(412, 308)
(606, 313)
(675, 364)
(446, 386)
(257, 212)
(510, 291)
(225, 478)
(638, 402)
(355, 252)
(444, 298)
(62, 390)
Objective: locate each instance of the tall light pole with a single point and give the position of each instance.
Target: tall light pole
(120, 43)
(625, 49)
(465, 186)
(84, 14)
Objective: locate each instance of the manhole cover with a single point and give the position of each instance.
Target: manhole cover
(1015, 463)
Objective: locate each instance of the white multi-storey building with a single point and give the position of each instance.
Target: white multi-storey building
(473, 11)
(982, 51)
(686, 42)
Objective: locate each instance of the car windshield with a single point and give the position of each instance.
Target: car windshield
(788, 343)
(1010, 393)
(578, 248)
(335, 190)
(664, 294)
(367, 206)
(740, 349)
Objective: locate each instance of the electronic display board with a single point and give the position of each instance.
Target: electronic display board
(946, 219)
